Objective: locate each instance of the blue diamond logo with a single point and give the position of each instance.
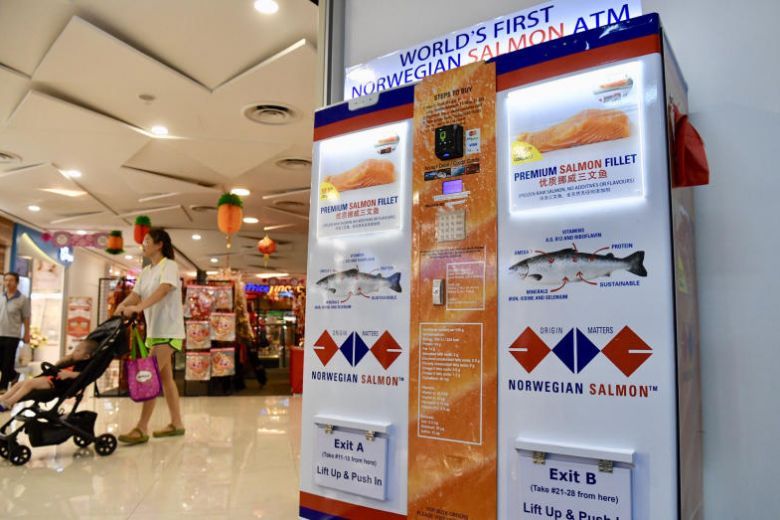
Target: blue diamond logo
(586, 351)
(565, 351)
(354, 349)
(576, 351)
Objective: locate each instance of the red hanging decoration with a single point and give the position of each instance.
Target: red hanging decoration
(267, 247)
(142, 226)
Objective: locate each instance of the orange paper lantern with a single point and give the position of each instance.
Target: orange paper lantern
(115, 244)
(230, 213)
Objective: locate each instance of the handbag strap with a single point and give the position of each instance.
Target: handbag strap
(138, 347)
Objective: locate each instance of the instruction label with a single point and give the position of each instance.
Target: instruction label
(572, 490)
(349, 461)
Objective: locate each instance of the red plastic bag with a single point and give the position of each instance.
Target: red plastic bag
(690, 158)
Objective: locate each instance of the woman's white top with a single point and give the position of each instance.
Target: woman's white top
(164, 319)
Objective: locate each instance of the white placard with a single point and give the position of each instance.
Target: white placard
(577, 139)
(571, 490)
(515, 31)
(348, 461)
(361, 181)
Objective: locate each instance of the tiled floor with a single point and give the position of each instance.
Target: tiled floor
(239, 459)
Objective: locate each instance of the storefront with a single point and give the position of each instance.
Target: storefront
(70, 288)
(239, 334)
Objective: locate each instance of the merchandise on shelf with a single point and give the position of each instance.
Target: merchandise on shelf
(223, 297)
(223, 362)
(198, 335)
(223, 326)
(198, 366)
(199, 302)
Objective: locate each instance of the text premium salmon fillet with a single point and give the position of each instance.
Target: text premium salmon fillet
(371, 172)
(588, 126)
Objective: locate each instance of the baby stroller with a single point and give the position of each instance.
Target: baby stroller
(51, 426)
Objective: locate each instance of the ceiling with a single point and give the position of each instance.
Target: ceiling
(82, 83)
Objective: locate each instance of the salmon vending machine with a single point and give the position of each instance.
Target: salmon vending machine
(501, 314)
(598, 368)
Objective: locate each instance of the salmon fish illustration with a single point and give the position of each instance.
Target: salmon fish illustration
(352, 282)
(569, 265)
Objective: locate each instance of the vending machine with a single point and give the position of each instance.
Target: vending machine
(501, 311)
(599, 413)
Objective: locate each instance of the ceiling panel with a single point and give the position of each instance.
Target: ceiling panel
(13, 87)
(286, 78)
(28, 187)
(27, 28)
(160, 155)
(149, 184)
(216, 41)
(47, 129)
(101, 71)
(229, 158)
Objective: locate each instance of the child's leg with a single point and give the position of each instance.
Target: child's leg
(21, 389)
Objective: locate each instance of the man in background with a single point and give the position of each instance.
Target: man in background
(14, 313)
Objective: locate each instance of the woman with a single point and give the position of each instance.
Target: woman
(157, 293)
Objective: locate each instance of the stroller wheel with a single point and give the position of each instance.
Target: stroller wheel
(80, 441)
(4, 449)
(105, 444)
(20, 455)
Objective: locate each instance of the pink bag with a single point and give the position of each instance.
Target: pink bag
(143, 376)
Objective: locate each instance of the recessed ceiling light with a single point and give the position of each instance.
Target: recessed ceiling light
(272, 275)
(81, 232)
(159, 130)
(266, 6)
(251, 220)
(215, 260)
(196, 237)
(241, 192)
(33, 207)
(128, 257)
(73, 174)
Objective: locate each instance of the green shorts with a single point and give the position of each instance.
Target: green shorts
(176, 344)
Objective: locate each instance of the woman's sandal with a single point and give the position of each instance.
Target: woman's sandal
(169, 431)
(136, 436)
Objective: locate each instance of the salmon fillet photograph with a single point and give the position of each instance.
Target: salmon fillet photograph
(587, 127)
(371, 172)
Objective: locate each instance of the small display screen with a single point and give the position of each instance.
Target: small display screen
(450, 187)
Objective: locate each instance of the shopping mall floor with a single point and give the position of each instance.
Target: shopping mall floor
(238, 459)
